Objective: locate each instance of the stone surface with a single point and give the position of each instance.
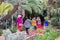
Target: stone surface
(21, 35)
(6, 33)
(12, 37)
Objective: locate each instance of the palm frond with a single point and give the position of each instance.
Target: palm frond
(37, 5)
(5, 7)
(27, 7)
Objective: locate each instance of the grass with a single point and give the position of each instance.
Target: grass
(1, 32)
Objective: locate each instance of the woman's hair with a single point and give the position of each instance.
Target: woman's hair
(24, 19)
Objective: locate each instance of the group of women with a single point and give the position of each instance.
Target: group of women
(35, 23)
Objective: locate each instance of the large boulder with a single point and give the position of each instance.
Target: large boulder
(11, 36)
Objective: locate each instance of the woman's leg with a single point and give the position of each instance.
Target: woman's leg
(27, 31)
(35, 27)
(19, 28)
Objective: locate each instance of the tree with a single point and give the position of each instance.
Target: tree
(37, 5)
(52, 3)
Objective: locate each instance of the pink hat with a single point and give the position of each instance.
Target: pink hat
(19, 16)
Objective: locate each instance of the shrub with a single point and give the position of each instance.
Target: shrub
(13, 30)
(40, 30)
(54, 21)
(1, 32)
(46, 18)
(23, 28)
(51, 35)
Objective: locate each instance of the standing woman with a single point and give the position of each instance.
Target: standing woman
(39, 25)
(27, 25)
(19, 22)
(46, 23)
(34, 23)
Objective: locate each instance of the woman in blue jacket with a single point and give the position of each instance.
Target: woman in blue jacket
(46, 23)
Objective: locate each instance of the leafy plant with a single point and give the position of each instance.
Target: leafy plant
(1, 32)
(40, 30)
(23, 28)
(54, 21)
(5, 8)
(55, 16)
(51, 35)
(13, 30)
(46, 18)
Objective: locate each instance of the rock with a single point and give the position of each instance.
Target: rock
(12, 37)
(6, 33)
(21, 35)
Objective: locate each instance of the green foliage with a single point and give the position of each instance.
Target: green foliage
(1, 32)
(54, 21)
(40, 30)
(51, 35)
(37, 5)
(55, 13)
(5, 8)
(23, 29)
(13, 29)
(46, 18)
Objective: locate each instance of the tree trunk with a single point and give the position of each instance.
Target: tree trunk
(23, 13)
(48, 12)
(50, 2)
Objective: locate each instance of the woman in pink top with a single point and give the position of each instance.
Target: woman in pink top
(39, 26)
(19, 22)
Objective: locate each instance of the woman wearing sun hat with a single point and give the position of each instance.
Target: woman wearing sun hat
(19, 22)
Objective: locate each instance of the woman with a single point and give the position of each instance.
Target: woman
(34, 23)
(27, 25)
(19, 22)
(39, 25)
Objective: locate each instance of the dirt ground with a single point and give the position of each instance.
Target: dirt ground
(58, 38)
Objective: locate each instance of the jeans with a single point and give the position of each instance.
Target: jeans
(27, 31)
